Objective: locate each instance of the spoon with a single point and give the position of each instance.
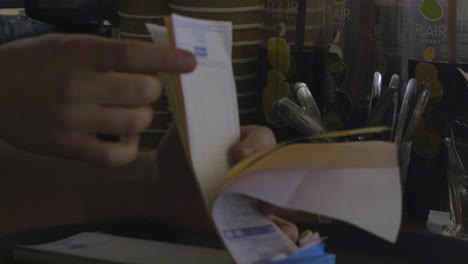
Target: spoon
(409, 99)
(381, 107)
(375, 91)
(458, 140)
(297, 117)
(394, 84)
(418, 111)
(307, 101)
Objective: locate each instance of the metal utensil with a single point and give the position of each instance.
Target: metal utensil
(402, 92)
(381, 107)
(458, 136)
(394, 84)
(307, 101)
(465, 75)
(418, 111)
(409, 100)
(459, 131)
(377, 85)
(375, 92)
(297, 117)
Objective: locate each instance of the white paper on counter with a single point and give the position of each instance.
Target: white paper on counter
(94, 247)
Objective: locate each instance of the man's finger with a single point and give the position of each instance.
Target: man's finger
(90, 149)
(253, 139)
(257, 137)
(108, 120)
(138, 56)
(288, 228)
(129, 56)
(114, 88)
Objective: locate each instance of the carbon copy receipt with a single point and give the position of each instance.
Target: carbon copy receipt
(205, 109)
(212, 122)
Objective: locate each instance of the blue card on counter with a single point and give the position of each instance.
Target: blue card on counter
(313, 255)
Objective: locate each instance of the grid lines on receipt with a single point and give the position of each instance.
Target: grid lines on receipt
(210, 100)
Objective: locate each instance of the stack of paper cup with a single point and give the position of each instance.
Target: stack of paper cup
(247, 23)
(134, 14)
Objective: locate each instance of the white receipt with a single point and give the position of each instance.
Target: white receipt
(209, 95)
(210, 99)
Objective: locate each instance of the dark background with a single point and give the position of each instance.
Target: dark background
(11, 3)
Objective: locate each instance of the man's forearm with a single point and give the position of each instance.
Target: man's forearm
(40, 191)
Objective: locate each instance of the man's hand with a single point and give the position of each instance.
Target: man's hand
(58, 93)
(177, 199)
(255, 139)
